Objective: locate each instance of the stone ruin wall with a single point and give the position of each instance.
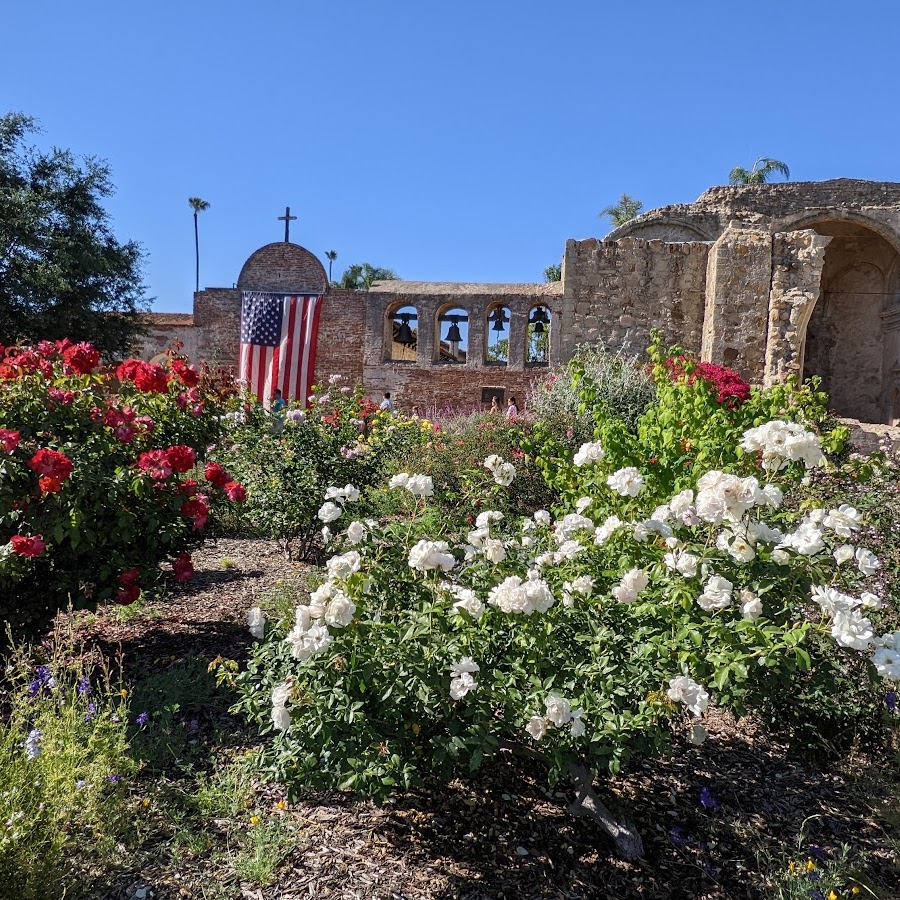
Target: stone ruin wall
(616, 292)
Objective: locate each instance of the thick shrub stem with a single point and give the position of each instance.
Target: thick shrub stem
(627, 841)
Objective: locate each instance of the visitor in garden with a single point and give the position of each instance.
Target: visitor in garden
(495, 406)
(512, 410)
(387, 403)
(278, 412)
(415, 412)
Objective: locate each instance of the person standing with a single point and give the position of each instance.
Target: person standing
(495, 406)
(278, 412)
(387, 404)
(512, 410)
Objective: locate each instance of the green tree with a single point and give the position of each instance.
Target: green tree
(62, 271)
(759, 172)
(198, 206)
(624, 211)
(361, 276)
(331, 256)
(553, 273)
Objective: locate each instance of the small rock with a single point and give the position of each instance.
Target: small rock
(521, 851)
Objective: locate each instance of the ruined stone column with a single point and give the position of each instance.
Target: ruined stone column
(738, 278)
(799, 257)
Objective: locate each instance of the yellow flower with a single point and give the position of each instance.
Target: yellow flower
(832, 896)
(254, 820)
(810, 865)
(123, 693)
(281, 805)
(854, 889)
(145, 802)
(793, 868)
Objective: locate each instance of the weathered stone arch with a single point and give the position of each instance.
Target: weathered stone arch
(672, 229)
(851, 336)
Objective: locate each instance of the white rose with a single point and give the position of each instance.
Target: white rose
(867, 561)
(340, 611)
(716, 594)
(329, 511)
(356, 532)
(505, 474)
(536, 727)
(343, 565)
(588, 453)
(256, 622)
(281, 718)
(626, 482)
(887, 663)
(751, 606)
(542, 517)
(843, 554)
(559, 710)
(494, 551)
(684, 689)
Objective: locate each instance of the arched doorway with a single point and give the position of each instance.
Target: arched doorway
(850, 341)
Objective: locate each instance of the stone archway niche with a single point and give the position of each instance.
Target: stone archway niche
(849, 341)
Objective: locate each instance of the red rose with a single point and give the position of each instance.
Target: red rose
(188, 487)
(28, 546)
(129, 576)
(235, 491)
(183, 567)
(188, 375)
(125, 433)
(9, 440)
(81, 358)
(216, 475)
(156, 462)
(196, 508)
(127, 594)
(52, 465)
(49, 485)
(151, 379)
(129, 369)
(181, 457)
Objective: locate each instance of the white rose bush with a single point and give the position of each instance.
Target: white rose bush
(562, 636)
(579, 636)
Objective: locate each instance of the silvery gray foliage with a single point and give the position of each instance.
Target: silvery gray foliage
(624, 389)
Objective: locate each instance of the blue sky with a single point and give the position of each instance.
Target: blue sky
(450, 142)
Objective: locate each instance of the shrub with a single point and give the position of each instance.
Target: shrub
(94, 477)
(621, 389)
(343, 438)
(454, 458)
(584, 640)
(688, 428)
(64, 766)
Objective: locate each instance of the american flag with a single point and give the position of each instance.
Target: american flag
(278, 343)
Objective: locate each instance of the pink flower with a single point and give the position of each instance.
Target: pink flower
(183, 567)
(9, 440)
(28, 545)
(235, 491)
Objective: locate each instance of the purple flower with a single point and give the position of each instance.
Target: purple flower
(92, 709)
(34, 688)
(113, 779)
(44, 673)
(707, 801)
(816, 852)
(676, 837)
(710, 870)
(890, 701)
(33, 743)
(142, 719)
(816, 895)
(84, 687)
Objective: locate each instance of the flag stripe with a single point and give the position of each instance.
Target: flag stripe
(278, 343)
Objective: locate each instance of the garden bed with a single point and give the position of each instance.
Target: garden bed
(503, 833)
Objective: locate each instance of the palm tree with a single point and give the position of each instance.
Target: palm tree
(624, 211)
(198, 206)
(331, 256)
(760, 171)
(359, 277)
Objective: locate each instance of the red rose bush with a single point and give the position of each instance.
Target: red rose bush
(95, 490)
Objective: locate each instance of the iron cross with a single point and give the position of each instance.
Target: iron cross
(287, 218)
